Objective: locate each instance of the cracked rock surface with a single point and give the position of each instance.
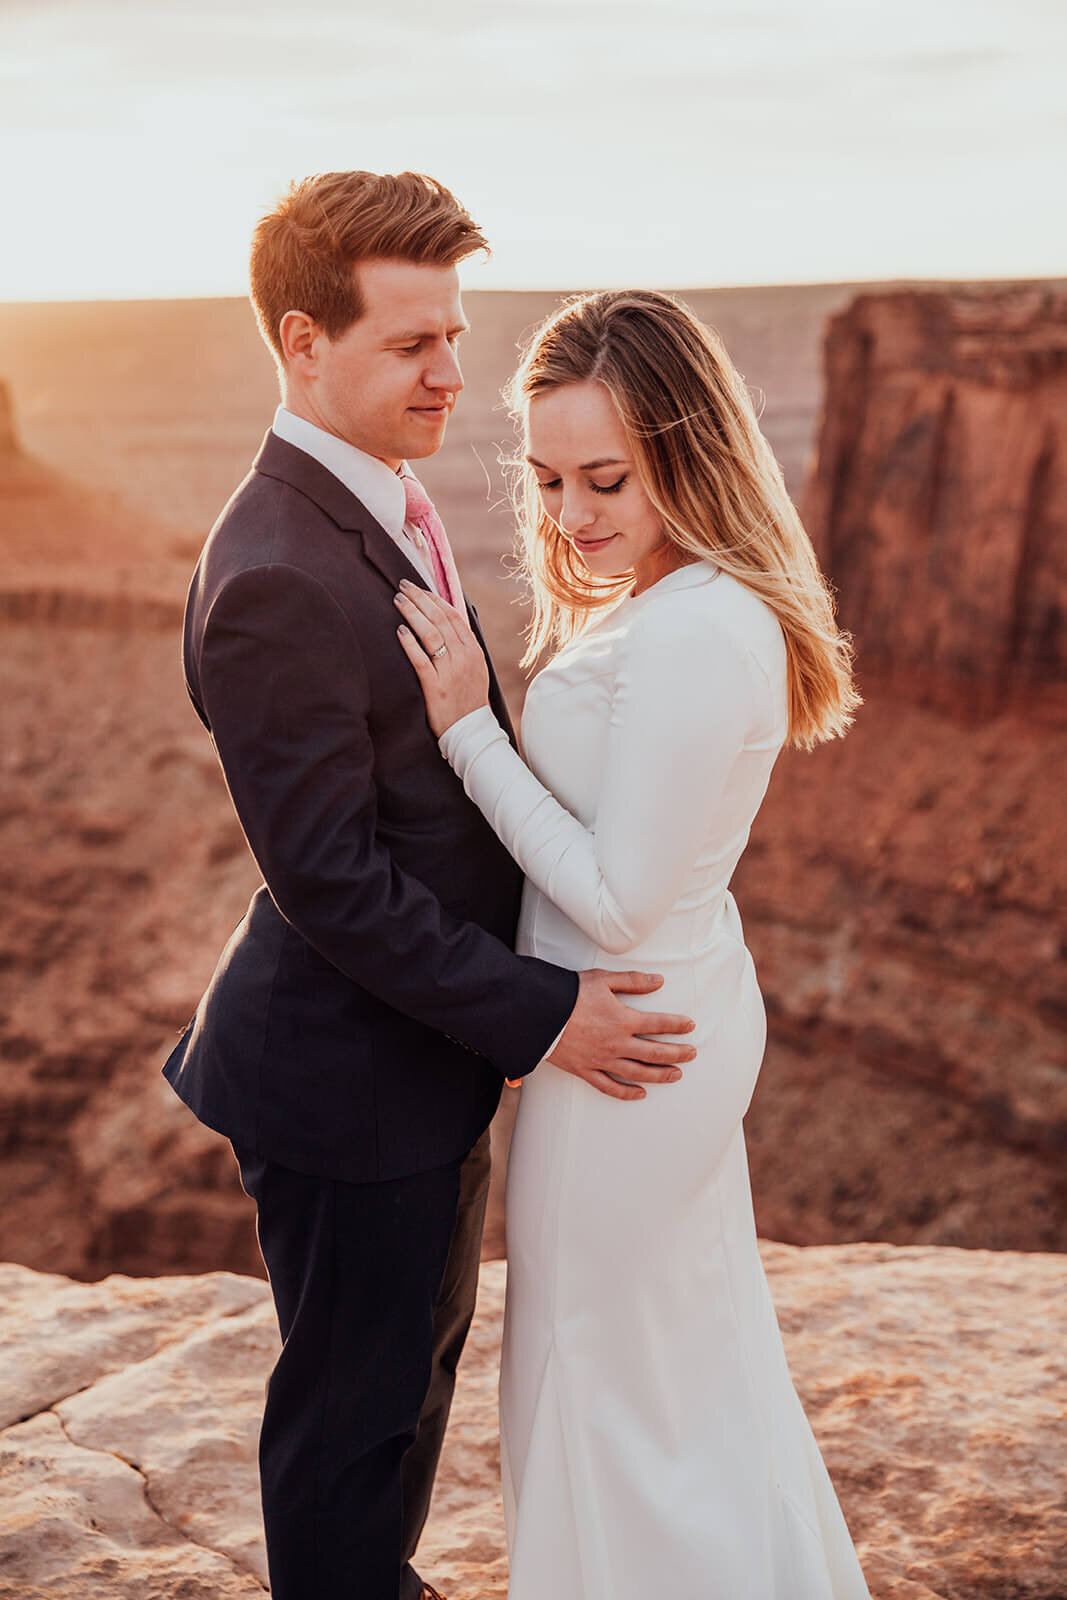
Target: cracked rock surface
(934, 1380)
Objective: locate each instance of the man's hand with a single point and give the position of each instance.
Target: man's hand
(604, 1039)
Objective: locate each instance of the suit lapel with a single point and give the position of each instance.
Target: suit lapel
(279, 459)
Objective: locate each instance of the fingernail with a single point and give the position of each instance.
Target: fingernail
(674, 1077)
(401, 630)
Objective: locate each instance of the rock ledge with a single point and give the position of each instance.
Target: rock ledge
(934, 1380)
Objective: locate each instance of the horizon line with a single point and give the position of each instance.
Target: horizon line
(496, 289)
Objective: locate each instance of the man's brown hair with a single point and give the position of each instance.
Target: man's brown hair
(304, 248)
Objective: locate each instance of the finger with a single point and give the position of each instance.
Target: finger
(649, 1023)
(424, 667)
(434, 609)
(634, 982)
(427, 633)
(615, 1091)
(642, 1071)
(659, 1054)
(435, 606)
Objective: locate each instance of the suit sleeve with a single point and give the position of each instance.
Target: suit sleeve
(687, 695)
(284, 687)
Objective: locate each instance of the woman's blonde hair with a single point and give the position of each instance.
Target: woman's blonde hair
(707, 469)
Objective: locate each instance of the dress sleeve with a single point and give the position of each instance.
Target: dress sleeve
(688, 693)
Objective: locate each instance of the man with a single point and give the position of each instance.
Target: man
(359, 1026)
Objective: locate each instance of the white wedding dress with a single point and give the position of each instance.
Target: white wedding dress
(654, 1447)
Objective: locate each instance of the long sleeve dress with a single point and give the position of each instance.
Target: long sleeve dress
(653, 1444)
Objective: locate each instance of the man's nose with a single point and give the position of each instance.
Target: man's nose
(444, 371)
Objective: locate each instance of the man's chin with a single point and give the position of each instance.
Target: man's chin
(425, 433)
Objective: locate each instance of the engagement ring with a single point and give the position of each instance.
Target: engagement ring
(443, 651)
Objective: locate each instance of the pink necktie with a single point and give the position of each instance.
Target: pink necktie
(423, 513)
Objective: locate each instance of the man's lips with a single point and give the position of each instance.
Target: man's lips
(431, 411)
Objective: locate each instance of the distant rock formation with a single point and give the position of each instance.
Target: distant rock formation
(938, 498)
(129, 1411)
(9, 444)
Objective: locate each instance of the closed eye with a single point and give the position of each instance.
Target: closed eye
(610, 488)
(554, 483)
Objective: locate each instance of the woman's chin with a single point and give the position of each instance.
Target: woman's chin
(603, 559)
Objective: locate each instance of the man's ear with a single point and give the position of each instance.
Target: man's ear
(297, 332)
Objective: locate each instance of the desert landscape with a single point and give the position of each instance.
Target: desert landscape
(902, 894)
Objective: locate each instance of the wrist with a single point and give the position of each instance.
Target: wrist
(479, 721)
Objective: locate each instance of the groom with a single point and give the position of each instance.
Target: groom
(355, 1036)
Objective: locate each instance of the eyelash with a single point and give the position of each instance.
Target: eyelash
(412, 349)
(608, 488)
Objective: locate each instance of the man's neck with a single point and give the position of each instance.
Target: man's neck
(299, 407)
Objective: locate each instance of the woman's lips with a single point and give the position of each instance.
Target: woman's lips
(587, 545)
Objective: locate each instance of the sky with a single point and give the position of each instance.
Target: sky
(674, 143)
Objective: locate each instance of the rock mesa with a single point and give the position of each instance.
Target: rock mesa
(939, 493)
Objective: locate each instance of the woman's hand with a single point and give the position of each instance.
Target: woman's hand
(448, 660)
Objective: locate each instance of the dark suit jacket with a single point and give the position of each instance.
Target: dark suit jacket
(364, 1014)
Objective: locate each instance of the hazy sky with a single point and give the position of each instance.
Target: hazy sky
(597, 141)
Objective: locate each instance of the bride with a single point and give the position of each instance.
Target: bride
(652, 1441)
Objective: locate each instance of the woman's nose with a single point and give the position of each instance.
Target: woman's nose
(576, 512)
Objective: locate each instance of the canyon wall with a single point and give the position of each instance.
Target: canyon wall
(903, 891)
(938, 501)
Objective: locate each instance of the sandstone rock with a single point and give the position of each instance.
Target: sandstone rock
(60, 1337)
(77, 1525)
(915, 1084)
(188, 1419)
(939, 487)
(934, 1381)
(9, 441)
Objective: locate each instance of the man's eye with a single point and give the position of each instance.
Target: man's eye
(407, 349)
(610, 488)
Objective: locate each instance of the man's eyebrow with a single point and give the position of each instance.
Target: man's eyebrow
(414, 337)
(586, 466)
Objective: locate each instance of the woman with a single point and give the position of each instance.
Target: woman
(653, 1444)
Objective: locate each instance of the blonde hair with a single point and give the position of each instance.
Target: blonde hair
(304, 248)
(707, 470)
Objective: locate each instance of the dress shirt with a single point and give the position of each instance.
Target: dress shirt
(372, 482)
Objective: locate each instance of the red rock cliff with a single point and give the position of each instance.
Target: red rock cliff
(938, 499)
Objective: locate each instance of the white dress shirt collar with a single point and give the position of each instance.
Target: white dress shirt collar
(371, 480)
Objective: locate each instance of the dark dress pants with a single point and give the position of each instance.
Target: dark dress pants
(374, 1286)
